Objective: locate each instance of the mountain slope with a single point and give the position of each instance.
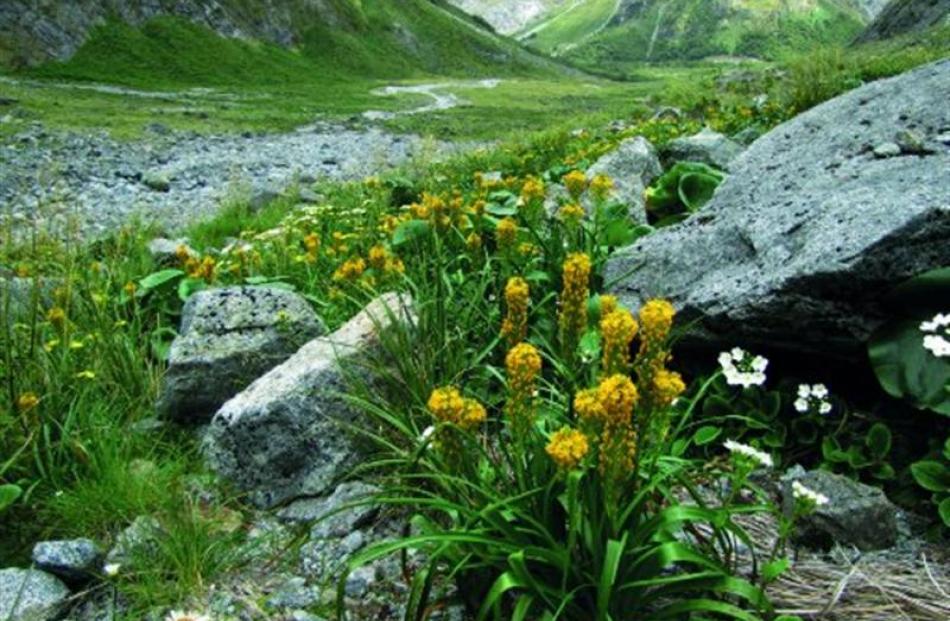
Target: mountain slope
(510, 16)
(248, 41)
(904, 16)
(657, 30)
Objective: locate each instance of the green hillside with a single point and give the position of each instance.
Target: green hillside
(608, 34)
(371, 39)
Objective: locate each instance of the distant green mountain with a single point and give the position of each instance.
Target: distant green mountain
(254, 41)
(605, 32)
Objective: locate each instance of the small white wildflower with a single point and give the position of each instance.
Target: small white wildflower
(737, 448)
(426, 434)
(937, 335)
(813, 397)
(179, 615)
(111, 570)
(742, 368)
(800, 492)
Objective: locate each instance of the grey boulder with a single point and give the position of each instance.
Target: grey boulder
(284, 436)
(332, 519)
(73, 560)
(229, 337)
(811, 229)
(856, 514)
(31, 595)
(707, 147)
(632, 166)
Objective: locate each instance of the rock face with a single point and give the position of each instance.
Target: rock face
(508, 17)
(856, 514)
(75, 560)
(282, 437)
(230, 337)
(633, 165)
(903, 16)
(30, 595)
(799, 244)
(707, 146)
(33, 32)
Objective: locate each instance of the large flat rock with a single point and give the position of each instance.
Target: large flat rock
(819, 218)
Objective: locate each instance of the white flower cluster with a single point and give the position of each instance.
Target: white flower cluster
(178, 615)
(742, 368)
(937, 335)
(800, 492)
(737, 448)
(813, 397)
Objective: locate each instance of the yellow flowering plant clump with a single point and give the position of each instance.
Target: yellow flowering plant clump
(532, 192)
(572, 319)
(350, 270)
(601, 186)
(618, 328)
(523, 364)
(567, 448)
(576, 183)
(514, 327)
(506, 234)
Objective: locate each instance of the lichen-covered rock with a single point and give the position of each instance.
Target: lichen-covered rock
(856, 514)
(230, 337)
(798, 246)
(282, 437)
(73, 560)
(30, 595)
(632, 166)
(707, 146)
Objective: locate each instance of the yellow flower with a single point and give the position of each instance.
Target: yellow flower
(618, 329)
(619, 396)
(523, 364)
(506, 233)
(608, 304)
(576, 183)
(573, 316)
(130, 288)
(56, 316)
(27, 401)
(571, 213)
(567, 448)
(515, 325)
(473, 242)
(23, 270)
(204, 269)
(377, 257)
(527, 249)
(351, 270)
(667, 386)
(394, 265)
(656, 320)
(312, 243)
(182, 254)
(588, 406)
(448, 405)
(532, 190)
(600, 187)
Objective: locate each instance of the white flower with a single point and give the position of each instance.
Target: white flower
(800, 492)
(937, 335)
(742, 368)
(111, 569)
(813, 397)
(426, 434)
(737, 448)
(178, 615)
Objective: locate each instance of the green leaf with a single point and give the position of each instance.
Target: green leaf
(771, 571)
(931, 475)
(706, 434)
(944, 510)
(9, 494)
(619, 233)
(946, 449)
(608, 575)
(157, 279)
(501, 210)
(589, 346)
(878, 440)
(906, 370)
(410, 231)
(189, 286)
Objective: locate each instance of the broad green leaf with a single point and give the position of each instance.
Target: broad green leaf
(906, 370)
(187, 287)
(157, 279)
(9, 494)
(771, 571)
(931, 475)
(706, 434)
(878, 440)
(496, 209)
(410, 231)
(944, 510)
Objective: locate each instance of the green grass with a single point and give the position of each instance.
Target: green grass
(570, 26)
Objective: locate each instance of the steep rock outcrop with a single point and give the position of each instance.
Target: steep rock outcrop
(903, 16)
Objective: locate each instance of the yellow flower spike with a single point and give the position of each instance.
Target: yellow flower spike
(532, 191)
(312, 243)
(588, 407)
(394, 265)
(572, 319)
(473, 415)
(515, 325)
(378, 256)
(448, 405)
(473, 242)
(656, 320)
(608, 304)
(571, 213)
(130, 288)
(600, 187)
(350, 270)
(576, 183)
(523, 363)
(27, 401)
(667, 386)
(182, 255)
(618, 329)
(506, 234)
(567, 448)
(619, 396)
